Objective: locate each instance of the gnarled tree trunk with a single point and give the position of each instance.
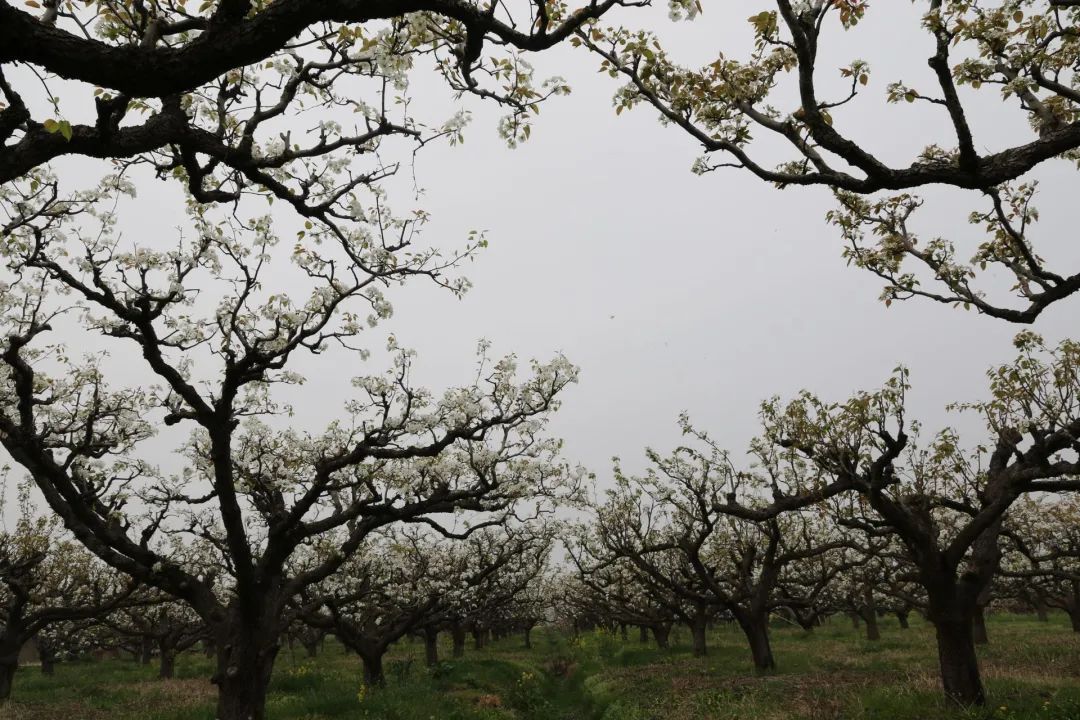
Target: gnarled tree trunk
(245, 661)
(959, 663)
(373, 668)
(756, 628)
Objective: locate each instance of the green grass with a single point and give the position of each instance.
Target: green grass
(1031, 669)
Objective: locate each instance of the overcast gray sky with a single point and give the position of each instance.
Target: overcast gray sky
(706, 294)
(676, 292)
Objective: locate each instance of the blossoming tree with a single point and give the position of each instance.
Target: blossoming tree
(784, 91)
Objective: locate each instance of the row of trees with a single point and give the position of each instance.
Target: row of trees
(410, 582)
(844, 506)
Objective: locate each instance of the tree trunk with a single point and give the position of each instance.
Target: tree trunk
(869, 614)
(662, 633)
(311, 647)
(978, 626)
(146, 650)
(431, 646)
(1074, 617)
(1039, 603)
(478, 639)
(48, 664)
(643, 634)
(528, 637)
(458, 634)
(697, 631)
(959, 663)
(373, 669)
(168, 662)
(624, 632)
(902, 616)
(756, 630)
(8, 665)
(873, 632)
(245, 662)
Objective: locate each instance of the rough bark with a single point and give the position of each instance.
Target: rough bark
(869, 614)
(245, 661)
(528, 637)
(902, 616)
(167, 661)
(146, 649)
(1074, 618)
(458, 634)
(373, 668)
(756, 629)
(873, 632)
(431, 646)
(978, 626)
(9, 663)
(662, 633)
(698, 625)
(959, 664)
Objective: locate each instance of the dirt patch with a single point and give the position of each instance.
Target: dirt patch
(489, 701)
(188, 691)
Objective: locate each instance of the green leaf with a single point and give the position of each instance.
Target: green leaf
(65, 130)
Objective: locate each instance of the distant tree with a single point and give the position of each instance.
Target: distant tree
(945, 504)
(168, 626)
(725, 562)
(1024, 49)
(384, 592)
(813, 588)
(504, 576)
(1043, 552)
(610, 588)
(48, 582)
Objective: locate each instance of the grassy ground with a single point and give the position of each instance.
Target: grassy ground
(1032, 671)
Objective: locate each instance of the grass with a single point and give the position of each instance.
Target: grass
(1031, 670)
